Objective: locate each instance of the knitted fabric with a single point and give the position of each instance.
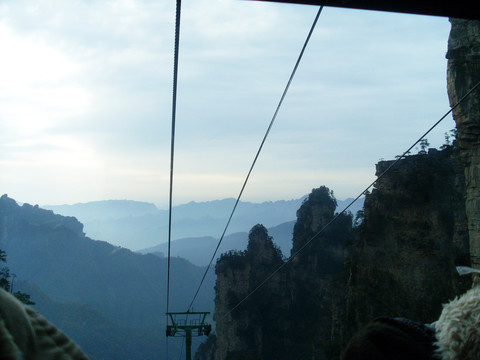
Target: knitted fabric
(26, 335)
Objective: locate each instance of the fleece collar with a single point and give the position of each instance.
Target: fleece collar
(458, 328)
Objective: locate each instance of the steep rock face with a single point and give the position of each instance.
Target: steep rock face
(296, 313)
(412, 237)
(206, 350)
(399, 262)
(317, 277)
(463, 73)
(251, 329)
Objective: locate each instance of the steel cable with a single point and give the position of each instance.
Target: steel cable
(353, 201)
(258, 152)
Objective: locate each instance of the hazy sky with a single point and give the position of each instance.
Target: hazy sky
(86, 89)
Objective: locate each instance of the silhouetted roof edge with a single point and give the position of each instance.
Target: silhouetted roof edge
(466, 9)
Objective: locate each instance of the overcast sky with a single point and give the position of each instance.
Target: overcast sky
(86, 93)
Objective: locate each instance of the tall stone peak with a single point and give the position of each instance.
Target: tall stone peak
(282, 318)
(260, 246)
(239, 273)
(316, 211)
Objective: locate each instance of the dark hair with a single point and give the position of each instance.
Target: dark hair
(392, 339)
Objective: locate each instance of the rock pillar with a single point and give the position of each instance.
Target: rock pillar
(462, 74)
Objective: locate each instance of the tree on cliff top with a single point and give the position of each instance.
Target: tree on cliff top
(261, 244)
(323, 195)
(316, 211)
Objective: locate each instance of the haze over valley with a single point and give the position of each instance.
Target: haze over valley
(196, 226)
(99, 292)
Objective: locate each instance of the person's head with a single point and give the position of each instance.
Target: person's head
(392, 339)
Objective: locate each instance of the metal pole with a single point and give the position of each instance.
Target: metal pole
(188, 343)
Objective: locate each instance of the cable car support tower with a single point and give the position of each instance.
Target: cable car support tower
(180, 325)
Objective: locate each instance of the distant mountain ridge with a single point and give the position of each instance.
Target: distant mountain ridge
(94, 282)
(104, 209)
(199, 251)
(140, 225)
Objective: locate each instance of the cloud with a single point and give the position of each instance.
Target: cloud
(87, 89)
(36, 86)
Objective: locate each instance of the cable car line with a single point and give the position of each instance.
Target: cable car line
(258, 152)
(172, 152)
(352, 202)
(172, 140)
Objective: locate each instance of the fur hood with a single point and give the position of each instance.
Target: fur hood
(458, 328)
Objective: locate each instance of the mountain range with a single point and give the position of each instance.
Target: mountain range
(139, 225)
(109, 299)
(199, 251)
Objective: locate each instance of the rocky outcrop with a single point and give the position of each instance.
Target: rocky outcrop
(399, 262)
(463, 74)
(296, 313)
(206, 350)
(253, 328)
(412, 236)
(317, 277)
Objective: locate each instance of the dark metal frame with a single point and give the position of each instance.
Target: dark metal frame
(466, 9)
(188, 327)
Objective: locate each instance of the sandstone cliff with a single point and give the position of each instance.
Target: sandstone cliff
(463, 73)
(400, 261)
(412, 236)
(255, 326)
(291, 315)
(317, 277)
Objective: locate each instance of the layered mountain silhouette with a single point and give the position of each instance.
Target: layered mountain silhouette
(105, 292)
(140, 225)
(108, 298)
(199, 251)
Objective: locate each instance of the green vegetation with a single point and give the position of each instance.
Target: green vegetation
(424, 144)
(7, 281)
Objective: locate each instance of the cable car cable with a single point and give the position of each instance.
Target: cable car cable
(172, 139)
(172, 151)
(258, 152)
(351, 203)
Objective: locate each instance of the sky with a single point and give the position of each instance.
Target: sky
(86, 98)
